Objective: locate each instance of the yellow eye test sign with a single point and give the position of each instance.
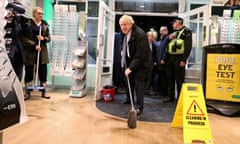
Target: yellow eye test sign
(223, 77)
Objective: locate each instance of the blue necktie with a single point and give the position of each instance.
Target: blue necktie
(124, 48)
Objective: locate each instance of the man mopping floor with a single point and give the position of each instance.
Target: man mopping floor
(136, 61)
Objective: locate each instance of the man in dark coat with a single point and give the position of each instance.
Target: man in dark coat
(136, 59)
(151, 84)
(160, 56)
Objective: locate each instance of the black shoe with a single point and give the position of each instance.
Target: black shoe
(139, 111)
(27, 96)
(126, 102)
(46, 96)
(168, 100)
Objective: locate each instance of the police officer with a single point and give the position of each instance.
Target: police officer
(179, 48)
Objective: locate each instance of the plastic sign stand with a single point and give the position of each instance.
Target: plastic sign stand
(191, 114)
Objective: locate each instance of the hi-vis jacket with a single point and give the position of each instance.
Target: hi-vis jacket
(181, 44)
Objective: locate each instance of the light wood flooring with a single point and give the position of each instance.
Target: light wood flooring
(64, 120)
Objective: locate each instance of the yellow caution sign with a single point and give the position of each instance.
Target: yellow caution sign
(191, 114)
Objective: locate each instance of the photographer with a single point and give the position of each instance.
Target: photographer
(14, 34)
(178, 50)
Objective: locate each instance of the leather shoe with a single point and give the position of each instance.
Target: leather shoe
(46, 96)
(126, 102)
(139, 111)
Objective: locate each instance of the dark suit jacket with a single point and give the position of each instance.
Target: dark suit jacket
(154, 51)
(140, 59)
(161, 52)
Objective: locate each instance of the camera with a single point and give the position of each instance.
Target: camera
(16, 8)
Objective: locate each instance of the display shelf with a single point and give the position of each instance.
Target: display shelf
(79, 86)
(76, 93)
(225, 28)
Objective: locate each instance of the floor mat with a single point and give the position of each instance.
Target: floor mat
(154, 109)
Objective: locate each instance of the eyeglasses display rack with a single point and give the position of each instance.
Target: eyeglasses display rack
(226, 29)
(69, 45)
(64, 39)
(79, 64)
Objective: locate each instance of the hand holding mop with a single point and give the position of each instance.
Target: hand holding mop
(36, 87)
(132, 115)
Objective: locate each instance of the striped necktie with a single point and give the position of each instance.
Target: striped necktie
(124, 48)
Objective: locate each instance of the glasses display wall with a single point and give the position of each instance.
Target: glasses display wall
(64, 39)
(226, 28)
(70, 47)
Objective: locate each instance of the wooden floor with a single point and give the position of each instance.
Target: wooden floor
(64, 120)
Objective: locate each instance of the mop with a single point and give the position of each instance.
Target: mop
(36, 87)
(132, 115)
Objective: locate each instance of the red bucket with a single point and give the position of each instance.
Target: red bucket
(108, 93)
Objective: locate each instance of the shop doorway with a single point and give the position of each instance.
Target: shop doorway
(105, 41)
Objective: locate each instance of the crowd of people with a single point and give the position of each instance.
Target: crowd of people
(143, 56)
(147, 59)
(25, 39)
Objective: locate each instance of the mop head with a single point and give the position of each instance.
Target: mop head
(31, 88)
(132, 119)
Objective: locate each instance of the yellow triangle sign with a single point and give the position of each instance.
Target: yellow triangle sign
(191, 114)
(195, 109)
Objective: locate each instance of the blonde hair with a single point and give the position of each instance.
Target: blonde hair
(127, 18)
(153, 32)
(34, 11)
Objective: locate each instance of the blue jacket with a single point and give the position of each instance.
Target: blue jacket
(161, 51)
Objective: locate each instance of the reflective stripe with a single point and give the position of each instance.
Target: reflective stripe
(176, 45)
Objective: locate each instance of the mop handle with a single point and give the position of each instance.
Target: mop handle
(38, 56)
(130, 92)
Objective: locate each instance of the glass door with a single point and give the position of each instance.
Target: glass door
(105, 43)
(198, 21)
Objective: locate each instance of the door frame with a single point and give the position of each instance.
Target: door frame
(105, 48)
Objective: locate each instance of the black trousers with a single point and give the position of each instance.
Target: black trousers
(132, 85)
(151, 83)
(138, 88)
(162, 82)
(42, 73)
(175, 74)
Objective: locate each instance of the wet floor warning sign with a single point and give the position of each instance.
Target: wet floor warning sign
(191, 114)
(195, 109)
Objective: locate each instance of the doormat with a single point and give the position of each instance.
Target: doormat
(154, 109)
